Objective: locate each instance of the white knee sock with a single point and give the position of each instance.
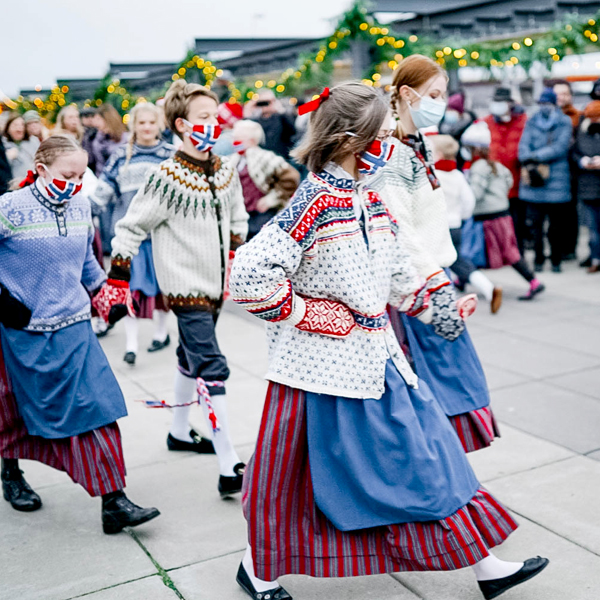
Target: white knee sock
(185, 392)
(221, 439)
(160, 333)
(491, 567)
(259, 585)
(482, 284)
(131, 334)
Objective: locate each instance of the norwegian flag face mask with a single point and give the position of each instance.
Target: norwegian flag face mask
(375, 156)
(204, 137)
(60, 190)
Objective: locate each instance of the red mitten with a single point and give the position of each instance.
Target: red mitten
(114, 301)
(226, 294)
(327, 317)
(467, 305)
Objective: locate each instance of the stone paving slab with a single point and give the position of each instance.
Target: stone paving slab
(60, 551)
(515, 452)
(150, 588)
(583, 382)
(563, 497)
(552, 413)
(573, 573)
(216, 579)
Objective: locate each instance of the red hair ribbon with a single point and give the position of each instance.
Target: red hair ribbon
(314, 104)
(29, 179)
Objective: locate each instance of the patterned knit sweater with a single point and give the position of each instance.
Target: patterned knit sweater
(46, 254)
(120, 182)
(409, 188)
(194, 211)
(317, 248)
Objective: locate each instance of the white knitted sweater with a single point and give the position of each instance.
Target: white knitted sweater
(416, 201)
(182, 205)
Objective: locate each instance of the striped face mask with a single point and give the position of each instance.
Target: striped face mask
(204, 137)
(60, 190)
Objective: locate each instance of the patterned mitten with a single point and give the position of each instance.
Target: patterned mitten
(467, 305)
(327, 317)
(226, 293)
(114, 301)
(446, 321)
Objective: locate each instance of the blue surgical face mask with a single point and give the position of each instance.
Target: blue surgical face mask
(429, 113)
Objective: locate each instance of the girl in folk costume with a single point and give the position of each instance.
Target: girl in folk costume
(357, 470)
(65, 400)
(192, 206)
(409, 186)
(268, 181)
(491, 183)
(121, 179)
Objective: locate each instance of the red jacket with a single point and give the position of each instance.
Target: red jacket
(505, 146)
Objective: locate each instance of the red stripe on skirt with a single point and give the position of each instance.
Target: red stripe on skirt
(476, 429)
(290, 535)
(93, 459)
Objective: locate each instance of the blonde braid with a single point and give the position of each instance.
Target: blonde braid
(129, 152)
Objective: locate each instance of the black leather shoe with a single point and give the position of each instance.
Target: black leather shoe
(200, 444)
(494, 587)
(129, 358)
(232, 485)
(244, 582)
(17, 491)
(586, 263)
(155, 346)
(104, 333)
(118, 511)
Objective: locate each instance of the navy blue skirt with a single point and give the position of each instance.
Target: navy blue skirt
(386, 461)
(452, 370)
(62, 382)
(143, 275)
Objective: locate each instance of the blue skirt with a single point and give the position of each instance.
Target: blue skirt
(143, 275)
(451, 369)
(386, 461)
(62, 382)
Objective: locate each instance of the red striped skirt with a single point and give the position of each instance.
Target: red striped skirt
(148, 304)
(93, 459)
(476, 429)
(289, 534)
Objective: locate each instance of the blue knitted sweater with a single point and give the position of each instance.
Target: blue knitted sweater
(120, 180)
(47, 259)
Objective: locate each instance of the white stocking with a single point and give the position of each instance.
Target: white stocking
(482, 284)
(185, 392)
(221, 439)
(491, 567)
(160, 333)
(259, 585)
(131, 334)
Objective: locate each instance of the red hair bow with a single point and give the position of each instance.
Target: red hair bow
(29, 179)
(314, 104)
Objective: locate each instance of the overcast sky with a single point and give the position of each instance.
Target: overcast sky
(41, 41)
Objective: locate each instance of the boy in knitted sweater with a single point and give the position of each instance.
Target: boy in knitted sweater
(193, 207)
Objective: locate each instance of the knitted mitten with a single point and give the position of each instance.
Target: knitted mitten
(113, 301)
(327, 317)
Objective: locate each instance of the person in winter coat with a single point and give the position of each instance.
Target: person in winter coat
(19, 147)
(586, 155)
(268, 181)
(506, 123)
(546, 185)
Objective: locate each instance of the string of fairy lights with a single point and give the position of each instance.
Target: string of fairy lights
(387, 50)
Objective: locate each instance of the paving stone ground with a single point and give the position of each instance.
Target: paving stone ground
(542, 360)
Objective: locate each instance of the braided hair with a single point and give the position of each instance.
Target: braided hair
(133, 118)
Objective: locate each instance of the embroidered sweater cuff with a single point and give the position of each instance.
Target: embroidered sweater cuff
(120, 268)
(298, 311)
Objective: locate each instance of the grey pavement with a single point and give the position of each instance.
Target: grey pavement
(542, 360)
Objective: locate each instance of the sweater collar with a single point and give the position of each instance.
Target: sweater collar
(212, 165)
(446, 165)
(334, 176)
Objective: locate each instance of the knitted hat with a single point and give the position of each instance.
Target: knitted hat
(229, 113)
(457, 102)
(592, 110)
(477, 135)
(502, 94)
(31, 116)
(547, 97)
